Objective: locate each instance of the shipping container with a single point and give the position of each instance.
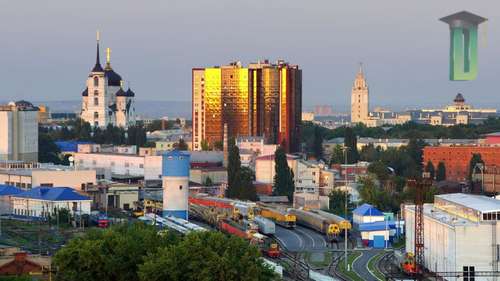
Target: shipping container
(266, 226)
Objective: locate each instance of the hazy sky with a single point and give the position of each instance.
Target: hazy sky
(48, 47)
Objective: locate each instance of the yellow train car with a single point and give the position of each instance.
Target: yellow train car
(282, 218)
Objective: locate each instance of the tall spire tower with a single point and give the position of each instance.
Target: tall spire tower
(97, 67)
(359, 98)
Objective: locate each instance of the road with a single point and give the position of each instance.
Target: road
(360, 265)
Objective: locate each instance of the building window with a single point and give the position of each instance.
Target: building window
(96, 101)
(96, 81)
(141, 166)
(96, 93)
(96, 115)
(180, 187)
(469, 273)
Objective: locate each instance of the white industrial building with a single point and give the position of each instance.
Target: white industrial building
(41, 174)
(461, 234)
(19, 131)
(45, 201)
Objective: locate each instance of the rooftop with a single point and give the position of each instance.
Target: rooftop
(52, 194)
(479, 203)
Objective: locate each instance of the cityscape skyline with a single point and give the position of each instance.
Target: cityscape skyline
(164, 48)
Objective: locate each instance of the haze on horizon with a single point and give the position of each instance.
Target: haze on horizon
(49, 46)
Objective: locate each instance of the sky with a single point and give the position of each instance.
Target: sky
(48, 47)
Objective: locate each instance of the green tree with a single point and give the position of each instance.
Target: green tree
(429, 168)
(283, 177)
(48, 151)
(233, 170)
(136, 135)
(218, 145)
(474, 160)
(206, 256)
(369, 153)
(337, 155)
(415, 151)
(204, 145)
(109, 255)
(181, 145)
(248, 190)
(441, 172)
(317, 145)
(351, 142)
(337, 200)
(82, 130)
(208, 182)
(380, 170)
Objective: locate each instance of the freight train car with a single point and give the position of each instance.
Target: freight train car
(340, 221)
(221, 203)
(316, 222)
(266, 226)
(280, 217)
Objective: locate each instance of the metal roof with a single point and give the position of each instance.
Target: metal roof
(9, 190)
(367, 210)
(479, 203)
(53, 194)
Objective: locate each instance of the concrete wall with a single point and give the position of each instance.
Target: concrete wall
(115, 163)
(68, 178)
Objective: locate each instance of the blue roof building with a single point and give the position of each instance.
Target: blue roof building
(366, 213)
(40, 202)
(70, 146)
(6, 191)
(377, 234)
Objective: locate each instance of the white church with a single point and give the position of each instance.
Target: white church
(104, 100)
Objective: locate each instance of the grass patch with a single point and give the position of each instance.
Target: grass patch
(373, 268)
(35, 237)
(400, 243)
(327, 259)
(350, 274)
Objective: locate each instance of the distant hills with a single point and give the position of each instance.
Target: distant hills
(146, 108)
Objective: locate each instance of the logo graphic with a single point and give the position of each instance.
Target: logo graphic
(463, 45)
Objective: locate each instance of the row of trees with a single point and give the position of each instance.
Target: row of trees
(139, 252)
(407, 130)
(82, 131)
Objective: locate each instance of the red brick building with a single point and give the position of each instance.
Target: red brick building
(456, 158)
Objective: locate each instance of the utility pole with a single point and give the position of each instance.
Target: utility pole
(345, 207)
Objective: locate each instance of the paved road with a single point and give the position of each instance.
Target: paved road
(360, 265)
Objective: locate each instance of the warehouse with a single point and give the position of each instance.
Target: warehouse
(460, 233)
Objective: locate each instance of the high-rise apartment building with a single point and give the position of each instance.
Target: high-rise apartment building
(262, 99)
(104, 100)
(359, 99)
(19, 132)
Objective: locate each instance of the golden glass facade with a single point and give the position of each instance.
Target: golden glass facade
(261, 100)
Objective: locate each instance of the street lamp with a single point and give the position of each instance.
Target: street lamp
(345, 207)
